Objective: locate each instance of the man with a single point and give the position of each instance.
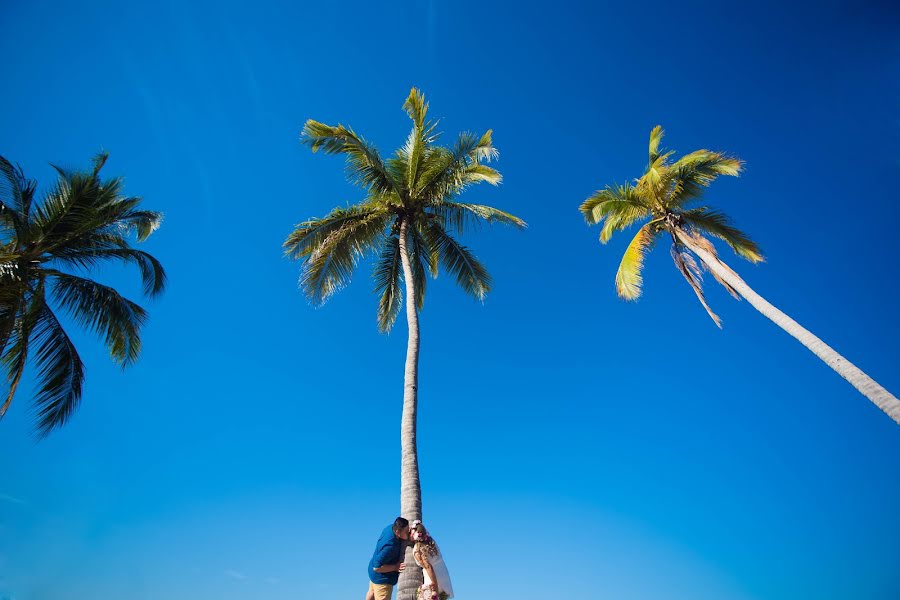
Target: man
(385, 566)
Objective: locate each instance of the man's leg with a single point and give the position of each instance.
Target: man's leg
(380, 591)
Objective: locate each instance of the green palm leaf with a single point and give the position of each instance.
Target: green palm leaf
(460, 216)
(425, 260)
(15, 357)
(103, 310)
(421, 136)
(656, 136)
(60, 373)
(694, 172)
(330, 263)
(719, 225)
(364, 164)
(124, 217)
(449, 172)
(621, 203)
(310, 234)
(628, 278)
(9, 310)
(387, 284)
(16, 197)
(153, 275)
(470, 274)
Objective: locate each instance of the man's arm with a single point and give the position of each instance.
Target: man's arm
(383, 554)
(390, 568)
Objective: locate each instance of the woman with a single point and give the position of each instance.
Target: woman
(437, 580)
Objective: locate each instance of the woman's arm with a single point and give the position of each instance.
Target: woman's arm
(422, 558)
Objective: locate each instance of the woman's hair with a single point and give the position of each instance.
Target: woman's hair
(428, 545)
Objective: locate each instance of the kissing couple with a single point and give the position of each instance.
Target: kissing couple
(387, 562)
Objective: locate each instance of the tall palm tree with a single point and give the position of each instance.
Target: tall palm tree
(663, 196)
(83, 221)
(407, 218)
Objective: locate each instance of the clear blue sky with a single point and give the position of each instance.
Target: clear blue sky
(570, 443)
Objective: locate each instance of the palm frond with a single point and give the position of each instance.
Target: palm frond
(65, 208)
(16, 196)
(389, 272)
(311, 233)
(364, 164)
(478, 173)
(15, 356)
(10, 302)
(328, 265)
(449, 172)
(457, 180)
(416, 107)
(472, 148)
(424, 258)
(711, 249)
(651, 180)
(717, 224)
(622, 203)
(411, 159)
(103, 310)
(153, 275)
(470, 274)
(629, 282)
(692, 173)
(439, 162)
(99, 160)
(418, 145)
(60, 373)
(460, 215)
(83, 206)
(656, 136)
(387, 284)
(620, 216)
(142, 222)
(687, 266)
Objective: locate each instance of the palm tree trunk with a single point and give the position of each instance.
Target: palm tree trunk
(410, 487)
(869, 388)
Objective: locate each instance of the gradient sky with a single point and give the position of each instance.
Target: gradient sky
(570, 443)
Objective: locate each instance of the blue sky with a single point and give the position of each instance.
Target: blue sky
(570, 443)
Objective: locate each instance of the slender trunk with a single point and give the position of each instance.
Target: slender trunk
(869, 388)
(410, 488)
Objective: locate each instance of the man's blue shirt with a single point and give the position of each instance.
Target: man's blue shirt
(388, 551)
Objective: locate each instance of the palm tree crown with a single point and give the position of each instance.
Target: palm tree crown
(82, 221)
(414, 190)
(664, 196)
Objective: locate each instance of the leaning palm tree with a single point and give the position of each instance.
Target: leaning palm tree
(82, 221)
(666, 196)
(407, 219)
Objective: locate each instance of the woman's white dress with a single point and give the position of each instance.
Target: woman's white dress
(441, 573)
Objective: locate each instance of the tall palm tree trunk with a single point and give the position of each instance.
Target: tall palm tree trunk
(410, 487)
(869, 388)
